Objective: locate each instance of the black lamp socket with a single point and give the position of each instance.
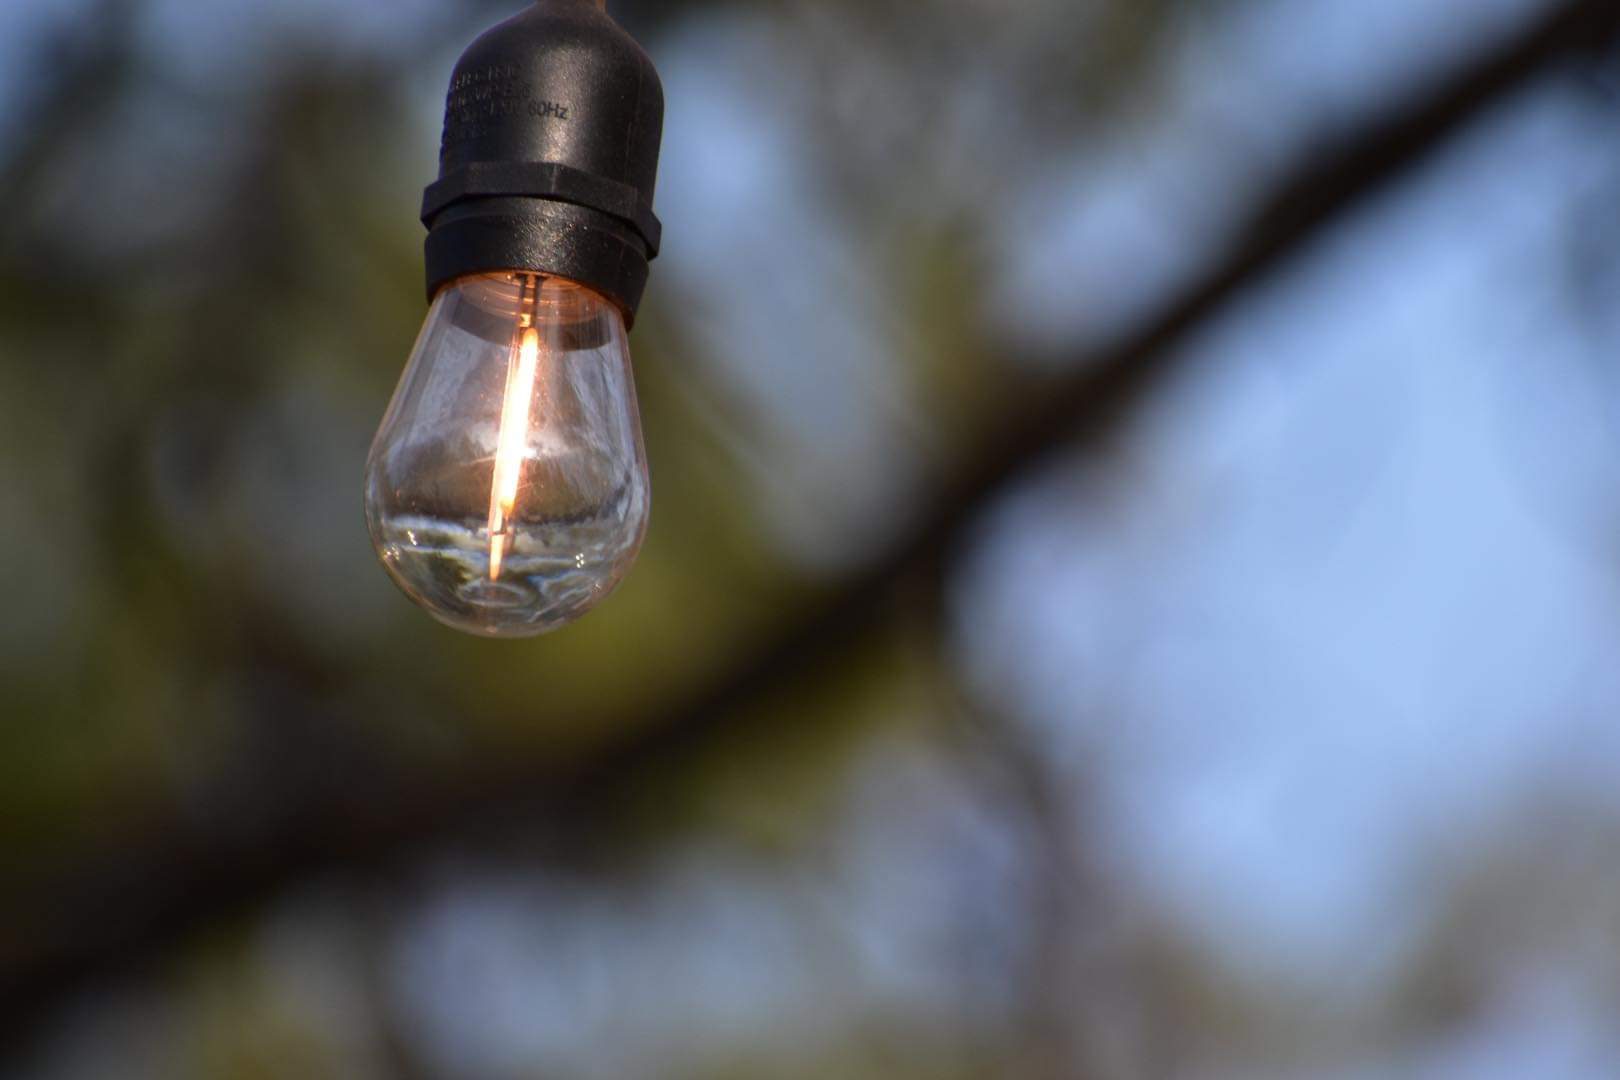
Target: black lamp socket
(550, 155)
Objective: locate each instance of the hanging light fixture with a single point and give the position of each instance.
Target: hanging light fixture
(507, 489)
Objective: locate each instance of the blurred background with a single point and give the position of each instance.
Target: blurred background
(1133, 591)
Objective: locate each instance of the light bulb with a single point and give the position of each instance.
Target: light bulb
(507, 489)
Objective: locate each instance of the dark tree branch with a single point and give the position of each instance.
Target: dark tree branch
(112, 914)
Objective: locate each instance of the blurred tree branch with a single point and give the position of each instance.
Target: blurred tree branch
(109, 913)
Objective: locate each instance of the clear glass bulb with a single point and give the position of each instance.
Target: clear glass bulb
(507, 490)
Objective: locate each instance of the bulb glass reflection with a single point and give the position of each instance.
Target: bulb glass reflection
(507, 491)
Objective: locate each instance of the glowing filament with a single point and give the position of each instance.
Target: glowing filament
(509, 446)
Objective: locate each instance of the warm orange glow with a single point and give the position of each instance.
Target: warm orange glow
(514, 435)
